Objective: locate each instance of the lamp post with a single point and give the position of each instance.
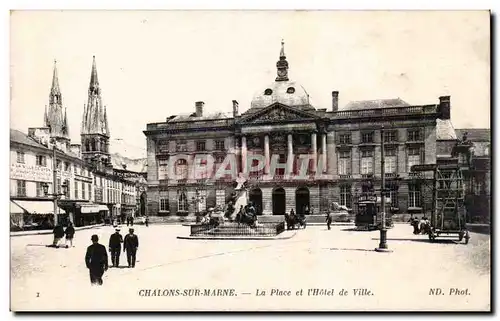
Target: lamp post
(382, 247)
(55, 195)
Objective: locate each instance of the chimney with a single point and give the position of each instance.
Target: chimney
(444, 107)
(335, 101)
(199, 108)
(235, 109)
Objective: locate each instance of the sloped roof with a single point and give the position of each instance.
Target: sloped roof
(134, 165)
(22, 138)
(475, 134)
(445, 130)
(375, 104)
(192, 117)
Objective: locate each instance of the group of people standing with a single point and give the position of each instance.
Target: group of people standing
(59, 233)
(420, 226)
(96, 258)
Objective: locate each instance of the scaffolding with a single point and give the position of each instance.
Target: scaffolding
(448, 216)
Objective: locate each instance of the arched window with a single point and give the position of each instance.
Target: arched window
(181, 169)
(182, 201)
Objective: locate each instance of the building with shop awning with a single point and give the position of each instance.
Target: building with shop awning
(34, 207)
(92, 208)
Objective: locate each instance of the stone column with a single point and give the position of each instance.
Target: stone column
(243, 154)
(323, 150)
(332, 155)
(314, 147)
(290, 154)
(266, 154)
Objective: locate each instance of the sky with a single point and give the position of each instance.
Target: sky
(153, 64)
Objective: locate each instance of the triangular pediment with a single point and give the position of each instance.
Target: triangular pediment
(278, 113)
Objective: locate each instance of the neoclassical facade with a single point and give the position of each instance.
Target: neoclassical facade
(298, 157)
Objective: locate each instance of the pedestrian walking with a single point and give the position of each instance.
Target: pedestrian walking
(96, 261)
(115, 247)
(146, 221)
(131, 221)
(130, 244)
(128, 221)
(70, 234)
(328, 220)
(58, 234)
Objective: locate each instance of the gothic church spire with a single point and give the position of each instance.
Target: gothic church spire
(53, 116)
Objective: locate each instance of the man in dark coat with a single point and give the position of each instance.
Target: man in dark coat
(130, 244)
(70, 234)
(115, 246)
(96, 260)
(131, 221)
(58, 234)
(329, 220)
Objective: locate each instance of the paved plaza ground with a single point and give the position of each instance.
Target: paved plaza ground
(56, 279)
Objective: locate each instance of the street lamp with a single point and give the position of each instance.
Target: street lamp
(56, 196)
(382, 247)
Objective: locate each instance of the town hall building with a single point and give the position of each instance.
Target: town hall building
(343, 145)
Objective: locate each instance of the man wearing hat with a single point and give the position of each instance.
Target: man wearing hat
(115, 246)
(96, 260)
(130, 244)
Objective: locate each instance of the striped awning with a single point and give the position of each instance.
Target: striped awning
(36, 207)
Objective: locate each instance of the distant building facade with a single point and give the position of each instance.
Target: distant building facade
(95, 193)
(478, 189)
(343, 149)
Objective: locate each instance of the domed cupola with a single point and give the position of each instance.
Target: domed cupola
(282, 90)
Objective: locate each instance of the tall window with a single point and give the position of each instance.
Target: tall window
(83, 190)
(219, 145)
(345, 196)
(164, 205)
(345, 138)
(76, 190)
(344, 167)
(41, 160)
(181, 168)
(90, 191)
(413, 157)
(21, 188)
(414, 135)
(162, 169)
(390, 136)
(390, 161)
(59, 185)
(413, 195)
(393, 194)
(39, 189)
(20, 157)
(66, 167)
(367, 137)
(220, 197)
(202, 203)
(58, 164)
(66, 182)
(200, 146)
(182, 202)
(367, 162)
(75, 169)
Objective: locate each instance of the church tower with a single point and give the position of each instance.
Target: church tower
(54, 118)
(95, 131)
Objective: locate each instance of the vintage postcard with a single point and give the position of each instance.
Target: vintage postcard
(250, 161)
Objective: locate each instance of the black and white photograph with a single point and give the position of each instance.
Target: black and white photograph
(250, 160)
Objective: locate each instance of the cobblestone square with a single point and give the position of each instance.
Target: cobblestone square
(56, 279)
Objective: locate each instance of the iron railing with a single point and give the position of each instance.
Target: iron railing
(233, 229)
